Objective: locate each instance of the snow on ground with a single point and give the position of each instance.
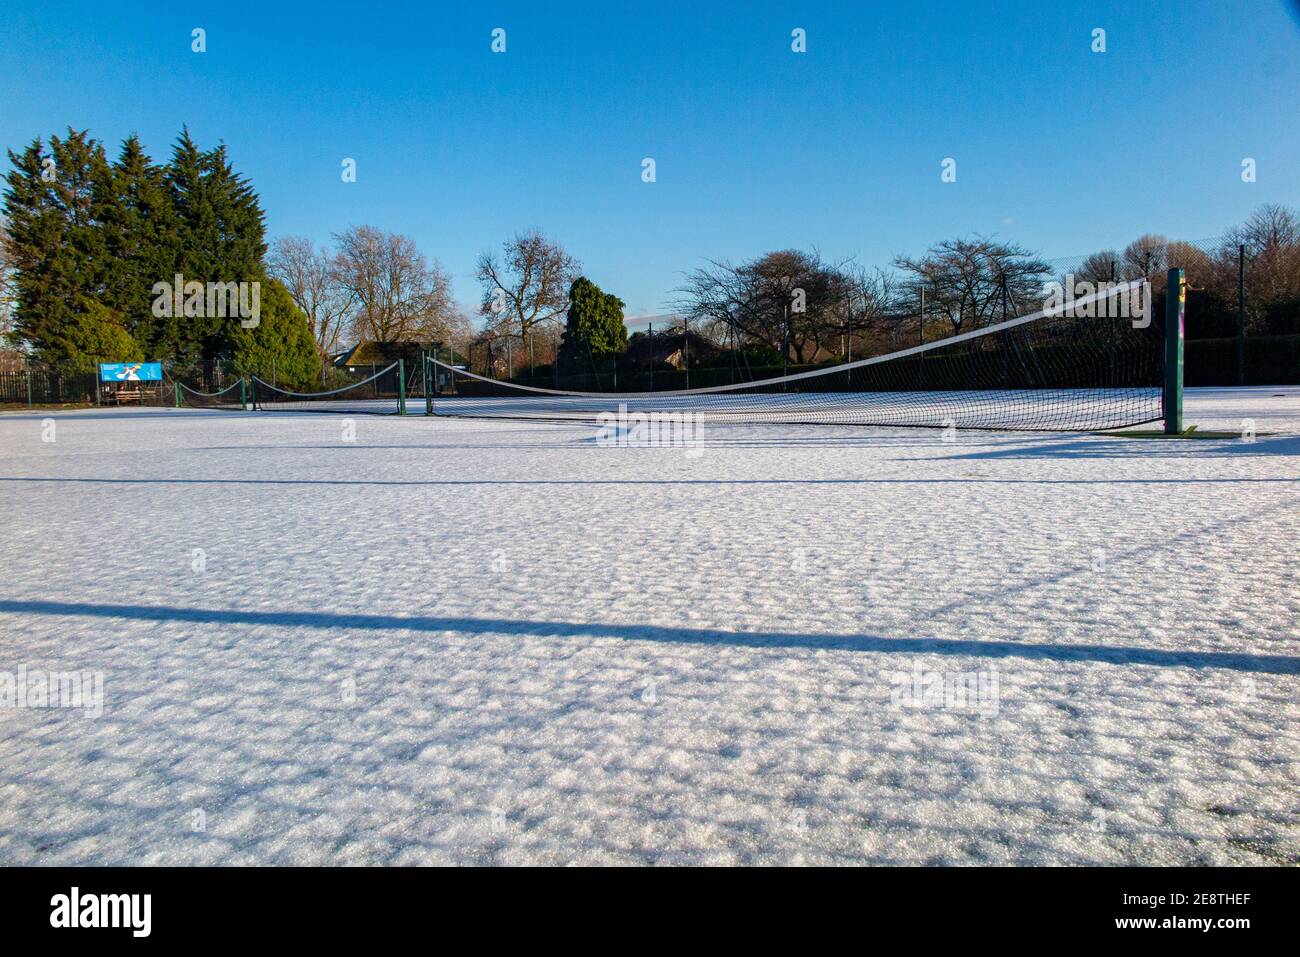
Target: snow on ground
(500, 642)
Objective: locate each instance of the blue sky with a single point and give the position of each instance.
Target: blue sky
(1058, 148)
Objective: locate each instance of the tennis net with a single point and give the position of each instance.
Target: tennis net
(1059, 369)
(381, 393)
(232, 397)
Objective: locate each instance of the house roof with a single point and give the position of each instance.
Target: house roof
(368, 352)
(662, 346)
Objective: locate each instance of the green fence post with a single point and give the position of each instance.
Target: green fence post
(1175, 304)
(424, 382)
(401, 387)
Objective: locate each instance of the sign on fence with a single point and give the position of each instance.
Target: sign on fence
(130, 372)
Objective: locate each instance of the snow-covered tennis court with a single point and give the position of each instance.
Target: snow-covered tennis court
(494, 641)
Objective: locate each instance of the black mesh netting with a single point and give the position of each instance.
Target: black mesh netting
(1055, 370)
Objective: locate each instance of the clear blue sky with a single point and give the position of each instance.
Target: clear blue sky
(757, 148)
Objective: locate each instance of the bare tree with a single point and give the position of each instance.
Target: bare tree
(871, 320)
(1145, 257)
(397, 294)
(972, 281)
(528, 286)
(1271, 227)
(1272, 239)
(1099, 267)
(306, 272)
(1196, 261)
(788, 300)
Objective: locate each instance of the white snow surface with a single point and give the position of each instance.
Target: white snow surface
(498, 642)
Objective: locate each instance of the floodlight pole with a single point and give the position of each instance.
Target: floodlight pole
(1175, 304)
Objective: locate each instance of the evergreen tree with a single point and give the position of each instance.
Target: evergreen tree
(97, 336)
(140, 228)
(35, 234)
(55, 203)
(282, 342)
(594, 327)
(221, 238)
(89, 240)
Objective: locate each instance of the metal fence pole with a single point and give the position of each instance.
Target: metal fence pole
(1241, 314)
(424, 381)
(428, 394)
(1175, 303)
(920, 369)
(686, 350)
(28, 363)
(401, 387)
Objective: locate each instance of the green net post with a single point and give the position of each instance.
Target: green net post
(424, 379)
(252, 395)
(401, 387)
(243, 393)
(176, 386)
(1175, 305)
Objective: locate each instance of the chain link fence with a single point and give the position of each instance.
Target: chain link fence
(1243, 301)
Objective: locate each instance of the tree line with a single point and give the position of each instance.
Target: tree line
(85, 242)
(89, 240)
(794, 307)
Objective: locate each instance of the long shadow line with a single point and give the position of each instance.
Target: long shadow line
(718, 481)
(1098, 448)
(1120, 655)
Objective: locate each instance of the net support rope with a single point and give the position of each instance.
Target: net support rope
(231, 397)
(362, 396)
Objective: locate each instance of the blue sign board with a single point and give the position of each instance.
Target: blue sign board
(130, 372)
